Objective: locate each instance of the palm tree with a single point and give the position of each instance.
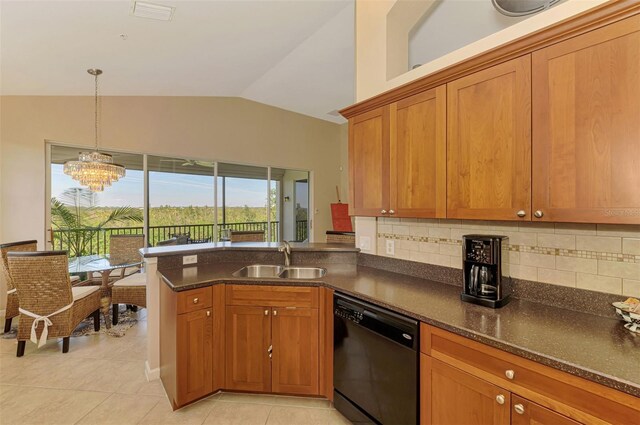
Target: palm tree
(75, 210)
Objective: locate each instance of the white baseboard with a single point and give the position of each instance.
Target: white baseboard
(151, 374)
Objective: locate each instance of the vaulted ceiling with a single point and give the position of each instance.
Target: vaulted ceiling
(297, 55)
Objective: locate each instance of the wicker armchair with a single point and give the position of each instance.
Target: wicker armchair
(132, 290)
(12, 297)
(49, 306)
(124, 249)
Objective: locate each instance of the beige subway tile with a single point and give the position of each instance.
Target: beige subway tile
(385, 228)
(458, 233)
(428, 222)
(399, 229)
(619, 269)
(575, 229)
(557, 277)
(573, 264)
(408, 245)
(476, 224)
(409, 220)
(403, 254)
(623, 230)
(514, 257)
(631, 246)
(523, 238)
(439, 260)
(538, 260)
(524, 226)
(631, 288)
(599, 243)
(456, 262)
(417, 230)
(439, 232)
(429, 247)
(557, 241)
(523, 272)
(422, 257)
(593, 282)
(504, 226)
(450, 249)
(452, 224)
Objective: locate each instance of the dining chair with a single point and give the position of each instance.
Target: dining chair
(49, 306)
(131, 290)
(125, 249)
(11, 310)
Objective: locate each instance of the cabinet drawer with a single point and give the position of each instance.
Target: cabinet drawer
(194, 300)
(272, 296)
(577, 398)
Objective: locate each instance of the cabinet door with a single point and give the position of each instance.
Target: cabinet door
(295, 350)
(369, 163)
(194, 355)
(489, 143)
(452, 397)
(586, 120)
(248, 339)
(525, 412)
(418, 146)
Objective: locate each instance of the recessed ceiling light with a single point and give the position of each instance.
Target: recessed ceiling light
(159, 12)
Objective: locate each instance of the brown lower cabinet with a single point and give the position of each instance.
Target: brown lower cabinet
(466, 382)
(257, 338)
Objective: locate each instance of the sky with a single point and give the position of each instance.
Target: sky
(179, 190)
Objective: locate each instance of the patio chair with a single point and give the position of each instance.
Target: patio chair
(168, 242)
(12, 297)
(131, 290)
(125, 249)
(49, 306)
(247, 236)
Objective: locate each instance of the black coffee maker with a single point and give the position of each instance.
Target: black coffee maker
(486, 272)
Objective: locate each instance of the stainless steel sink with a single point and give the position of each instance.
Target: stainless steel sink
(302, 273)
(259, 270)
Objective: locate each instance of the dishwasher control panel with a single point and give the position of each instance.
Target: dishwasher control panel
(348, 314)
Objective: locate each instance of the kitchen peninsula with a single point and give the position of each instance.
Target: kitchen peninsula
(583, 366)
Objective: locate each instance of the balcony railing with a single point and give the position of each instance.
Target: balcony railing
(96, 241)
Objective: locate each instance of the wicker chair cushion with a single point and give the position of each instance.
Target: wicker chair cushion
(74, 279)
(137, 279)
(80, 292)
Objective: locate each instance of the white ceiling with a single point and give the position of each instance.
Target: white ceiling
(297, 54)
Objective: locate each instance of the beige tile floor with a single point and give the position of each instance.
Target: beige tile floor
(101, 381)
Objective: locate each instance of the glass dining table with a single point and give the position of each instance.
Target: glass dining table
(100, 264)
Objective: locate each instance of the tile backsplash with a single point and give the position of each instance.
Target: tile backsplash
(603, 258)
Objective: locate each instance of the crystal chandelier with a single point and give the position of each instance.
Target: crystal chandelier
(95, 170)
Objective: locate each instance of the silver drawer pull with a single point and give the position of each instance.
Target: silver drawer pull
(510, 374)
(195, 300)
(500, 399)
(519, 408)
(266, 312)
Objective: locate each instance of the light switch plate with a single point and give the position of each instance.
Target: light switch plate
(365, 243)
(390, 246)
(189, 259)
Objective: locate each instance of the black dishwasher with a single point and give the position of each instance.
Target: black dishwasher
(375, 363)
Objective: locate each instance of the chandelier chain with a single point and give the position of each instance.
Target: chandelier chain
(96, 109)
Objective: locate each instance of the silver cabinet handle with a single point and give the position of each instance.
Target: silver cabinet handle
(392, 212)
(538, 214)
(275, 312)
(383, 212)
(208, 314)
(500, 399)
(521, 213)
(270, 349)
(195, 300)
(519, 408)
(510, 374)
(266, 312)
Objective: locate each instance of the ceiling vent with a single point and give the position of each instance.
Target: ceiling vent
(159, 12)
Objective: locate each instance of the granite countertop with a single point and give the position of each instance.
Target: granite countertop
(596, 348)
(163, 251)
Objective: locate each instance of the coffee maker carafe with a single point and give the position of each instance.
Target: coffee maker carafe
(486, 272)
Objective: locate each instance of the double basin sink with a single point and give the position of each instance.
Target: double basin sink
(288, 272)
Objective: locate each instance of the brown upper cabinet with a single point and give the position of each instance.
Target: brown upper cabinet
(369, 162)
(397, 158)
(489, 143)
(586, 127)
(418, 155)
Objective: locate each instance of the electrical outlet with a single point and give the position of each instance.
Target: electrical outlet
(365, 243)
(390, 247)
(189, 259)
